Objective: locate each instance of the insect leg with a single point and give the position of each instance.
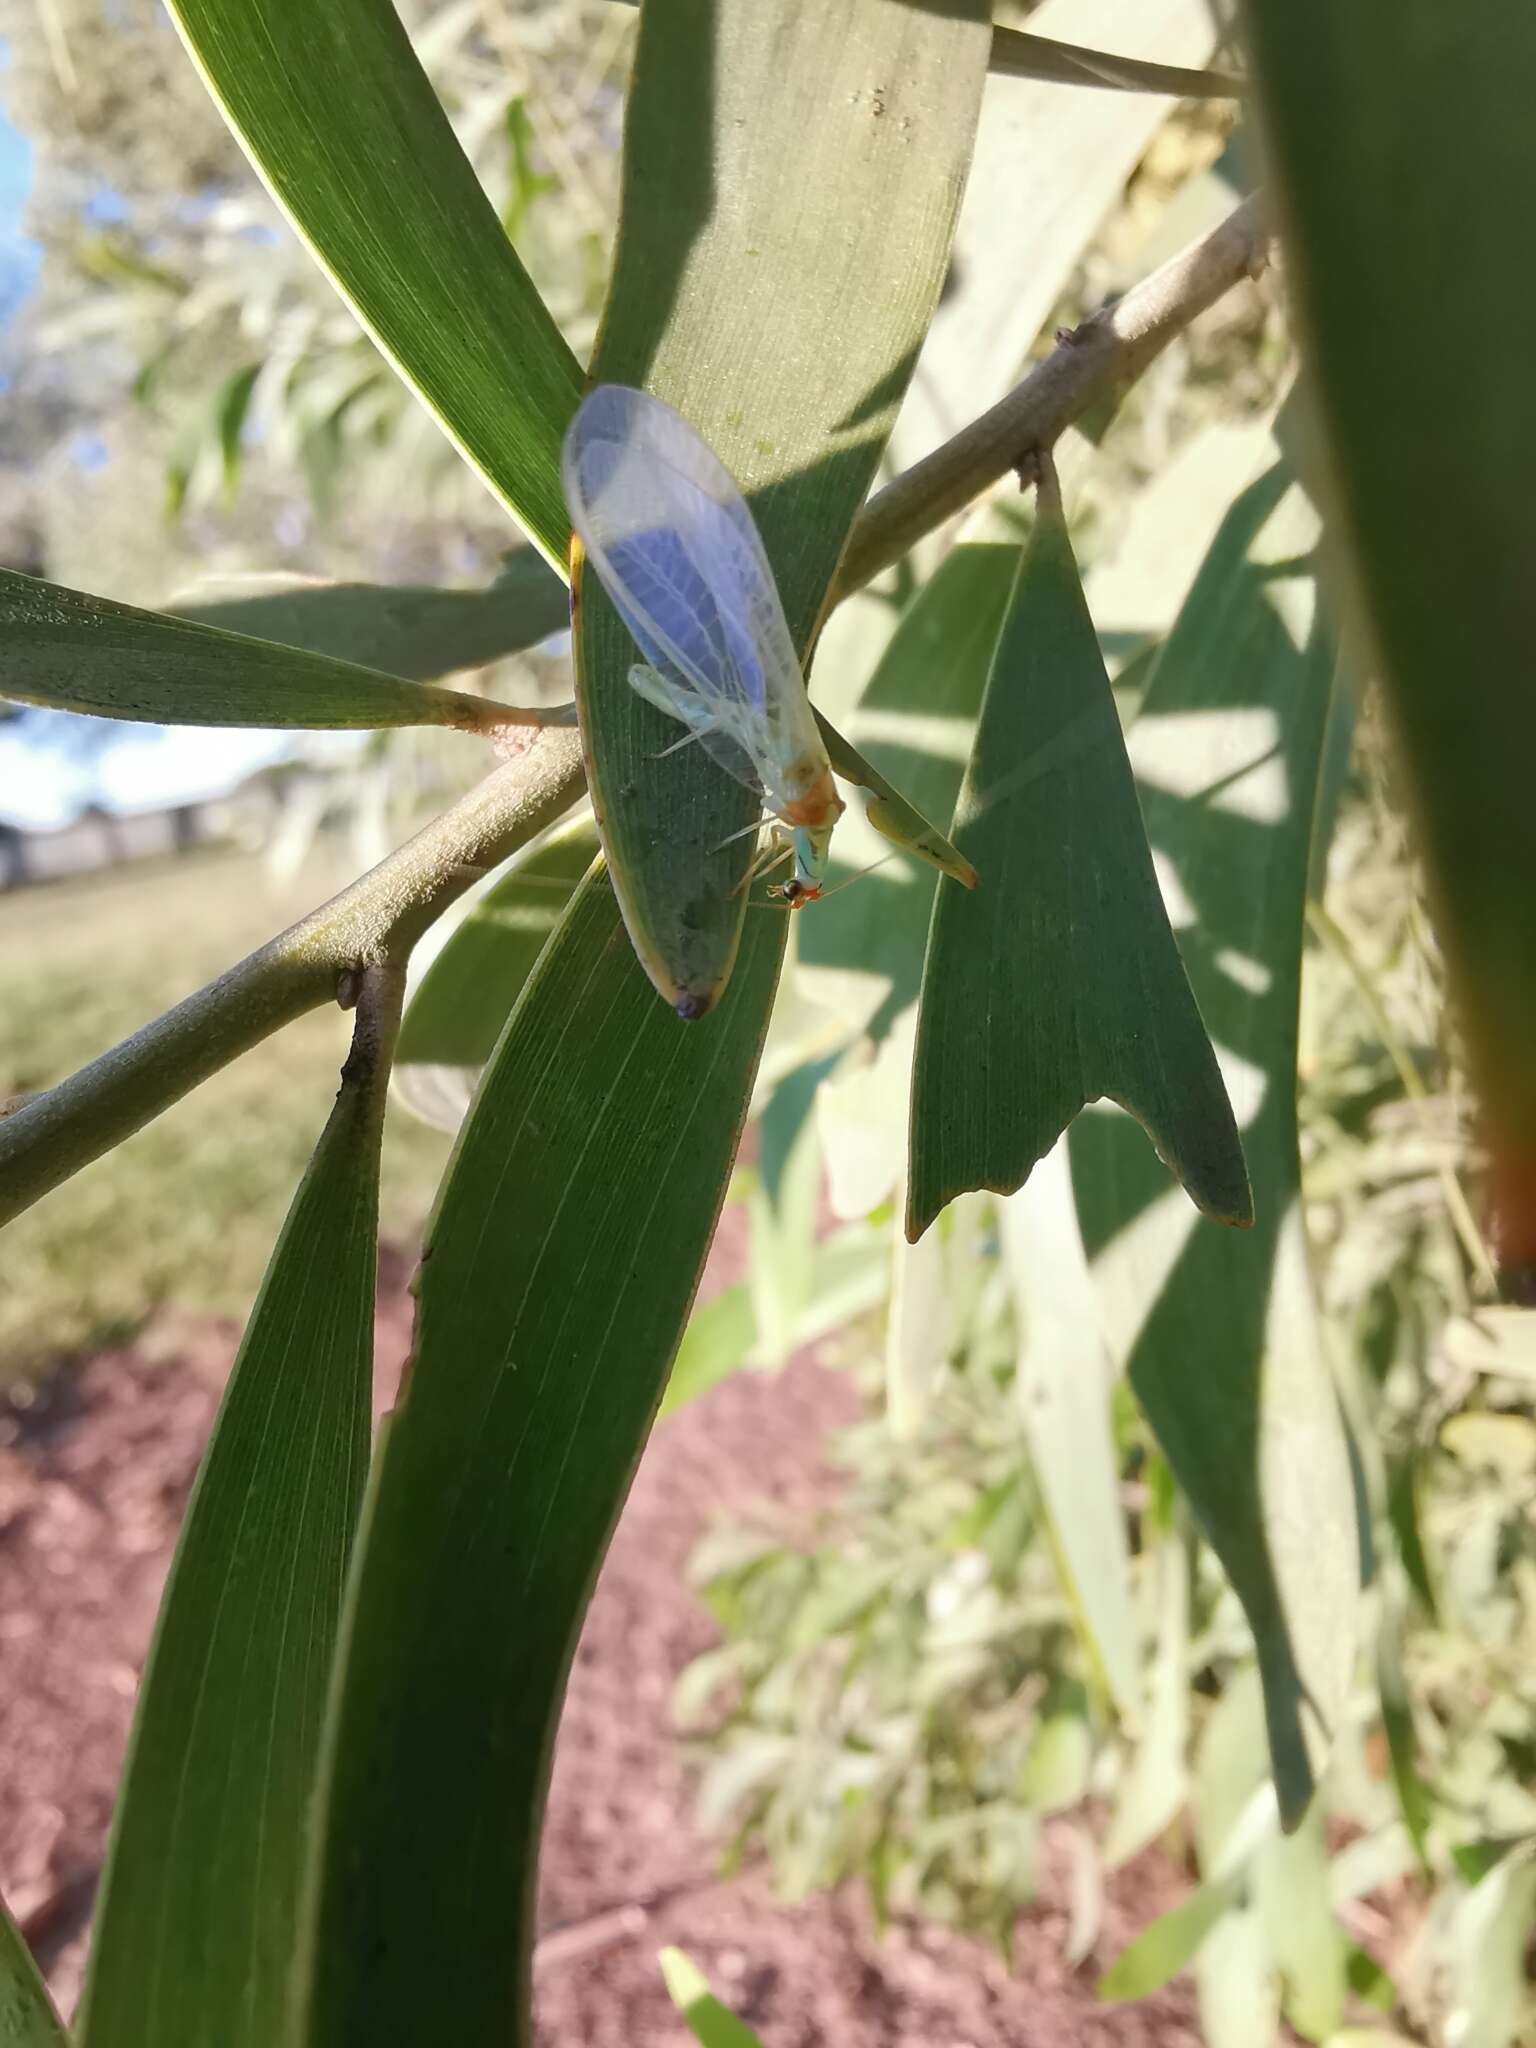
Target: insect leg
(676, 747)
(765, 864)
(732, 837)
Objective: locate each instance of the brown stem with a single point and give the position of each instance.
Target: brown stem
(1092, 363)
(326, 957)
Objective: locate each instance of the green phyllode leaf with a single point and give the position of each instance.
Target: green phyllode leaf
(1436, 520)
(406, 630)
(63, 648)
(711, 2024)
(196, 1925)
(27, 2017)
(1170, 1944)
(1220, 1330)
(785, 332)
(555, 1281)
(1017, 54)
(339, 119)
(1058, 980)
(891, 814)
(913, 724)
(461, 1005)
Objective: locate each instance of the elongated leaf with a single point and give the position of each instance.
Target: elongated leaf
(403, 629)
(1154, 1788)
(719, 1338)
(892, 814)
(555, 1282)
(1058, 161)
(728, 292)
(79, 653)
(462, 1002)
(1490, 1937)
(195, 1930)
(1065, 1377)
(337, 116)
(1305, 1942)
(920, 1331)
(27, 2017)
(913, 724)
(1437, 529)
(711, 2024)
(1220, 1329)
(1414, 1795)
(1169, 1945)
(1239, 1998)
(848, 1278)
(1018, 55)
(1058, 980)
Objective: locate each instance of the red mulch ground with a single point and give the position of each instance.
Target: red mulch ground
(94, 1475)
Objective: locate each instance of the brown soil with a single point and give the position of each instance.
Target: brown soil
(94, 1474)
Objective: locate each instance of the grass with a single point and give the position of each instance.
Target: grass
(187, 1211)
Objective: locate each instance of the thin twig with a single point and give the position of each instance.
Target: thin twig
(319, 960)
(1092, 363)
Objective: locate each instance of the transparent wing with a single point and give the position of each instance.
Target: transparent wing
(676, 550)
(717, 734)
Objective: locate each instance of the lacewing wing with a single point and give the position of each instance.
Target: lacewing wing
(674, 546)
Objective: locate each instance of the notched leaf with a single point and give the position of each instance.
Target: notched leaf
(1060, 983)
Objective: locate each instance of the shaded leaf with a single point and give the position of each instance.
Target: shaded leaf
(555, 1283)
(913, 724)
(64, 648)
(27, 2017)
(1436, 523)
(1413, 1796)
(1058, 981)
(1403, 1475)
(727, 289)
(338, 117)
(1220, 1330)
(229, 416)
(405, 630)
(196, 1923)
(1369, 1983)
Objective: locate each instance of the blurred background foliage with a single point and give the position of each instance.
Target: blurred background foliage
(182, 347)
(912, 1695)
